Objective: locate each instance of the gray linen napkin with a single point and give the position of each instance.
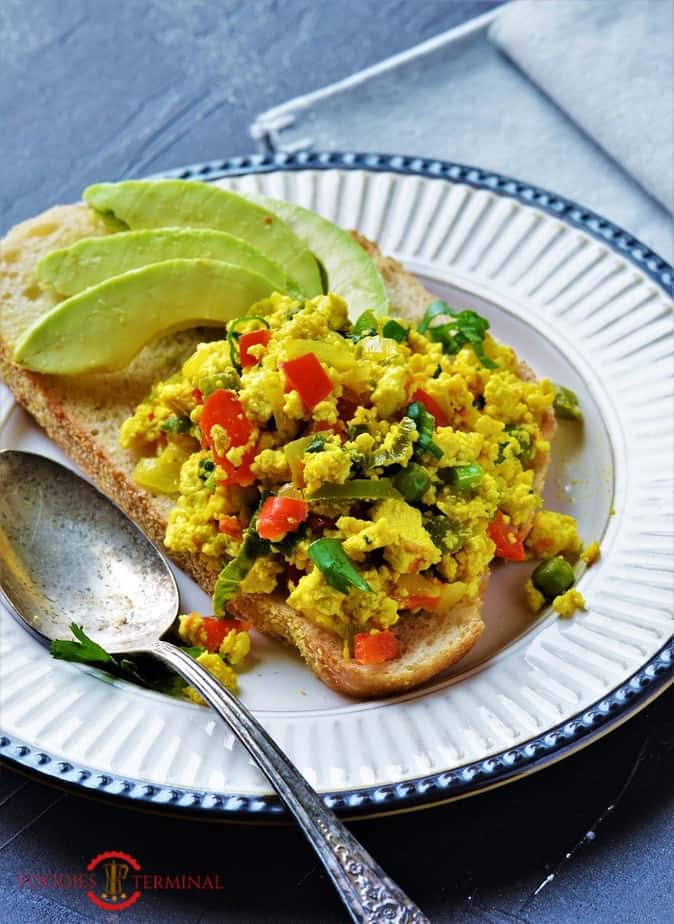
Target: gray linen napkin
(458, 97)
(609, 64)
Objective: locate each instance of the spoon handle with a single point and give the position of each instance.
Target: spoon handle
(368, 893)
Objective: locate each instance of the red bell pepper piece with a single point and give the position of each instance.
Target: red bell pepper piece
(279, 516)
(375, 649)
(230, 526)
(420, 601)
(507, 540)
(242, 475)
(224, 408)
(252, 338)
(306, 375)
(209, 631)
(432, 406)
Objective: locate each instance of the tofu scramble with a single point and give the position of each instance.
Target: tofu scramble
(363, 470)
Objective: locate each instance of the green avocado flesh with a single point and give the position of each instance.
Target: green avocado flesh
(168, 203)
(351, 272)
(93, 260)
(103, 328)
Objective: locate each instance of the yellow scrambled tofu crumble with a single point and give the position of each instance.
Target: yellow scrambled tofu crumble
(364, 469)
(218, 645)
(566, 604)
(591, 553)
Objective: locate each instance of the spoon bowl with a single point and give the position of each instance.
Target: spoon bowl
(68, 554)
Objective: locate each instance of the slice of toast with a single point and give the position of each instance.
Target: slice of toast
(83, 414)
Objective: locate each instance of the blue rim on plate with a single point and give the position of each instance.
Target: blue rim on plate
(557, 742)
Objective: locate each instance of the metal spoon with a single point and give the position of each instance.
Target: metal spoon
(68, 554)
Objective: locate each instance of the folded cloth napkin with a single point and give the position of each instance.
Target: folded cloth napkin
(609, 64)
(458, 97)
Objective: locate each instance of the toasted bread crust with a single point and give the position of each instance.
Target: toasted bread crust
(82, 416)
(428, 643)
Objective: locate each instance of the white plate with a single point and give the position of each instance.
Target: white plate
(580, 312)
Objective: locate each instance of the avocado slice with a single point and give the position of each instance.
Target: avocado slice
(103, 328)
(350, 270)
(95, 259)
(167, 203)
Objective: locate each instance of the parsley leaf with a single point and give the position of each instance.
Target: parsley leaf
(84, 651)
(317, 444)
(145, 671)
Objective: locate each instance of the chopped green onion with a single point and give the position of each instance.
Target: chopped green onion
(227, 379)
(434, 310)
(233, 336)
(525, 446)
(357, 489)
(395, 331)
(398, 454)
(412, 482)
(229, 579)
(336, 566)
(425, 424)
(205, 465)
(356, 430)
(176, 425)
(245, 319)
(206, 473)
(462, 477)
(446, 534)
(566, 404)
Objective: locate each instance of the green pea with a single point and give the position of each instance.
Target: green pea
(412, 482)
(553, 577)
(462, 477)
(566, 404)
